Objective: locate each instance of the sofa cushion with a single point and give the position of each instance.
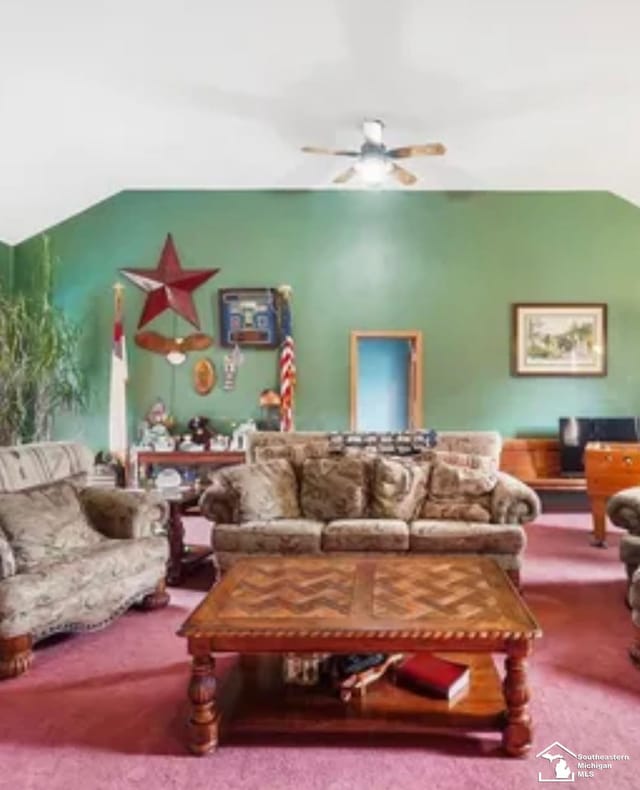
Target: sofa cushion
(296, 454)
(27, 466)
(466, 460)
(458, 483)
(44, 524)
(334, 488)
(466, 537)
(399, 488)
(86, 588)
(455, 511)
(264, 491)
(365, 534)
(282, 536)
(486, 443)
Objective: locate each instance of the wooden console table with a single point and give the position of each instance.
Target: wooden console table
(212, 458)
(610, 467)
(184, 557)
(537, 463)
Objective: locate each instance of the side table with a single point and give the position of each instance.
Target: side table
(182, 556)
(610, 467)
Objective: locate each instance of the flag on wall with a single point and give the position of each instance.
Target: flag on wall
(287, 361)
(118, 444)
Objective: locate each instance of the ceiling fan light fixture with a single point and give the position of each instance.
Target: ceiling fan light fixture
(373, 168)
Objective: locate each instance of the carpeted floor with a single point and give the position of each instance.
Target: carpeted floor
(107, 710)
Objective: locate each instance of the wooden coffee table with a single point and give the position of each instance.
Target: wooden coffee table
(461, 606)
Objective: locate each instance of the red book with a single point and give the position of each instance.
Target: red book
(434, 676)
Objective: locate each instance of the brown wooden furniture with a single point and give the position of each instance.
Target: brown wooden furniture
(537, 463)
(455, 604)
(206, 458)
(610, 467)
(182, 556)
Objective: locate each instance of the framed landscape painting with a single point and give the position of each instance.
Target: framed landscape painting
(559, 339)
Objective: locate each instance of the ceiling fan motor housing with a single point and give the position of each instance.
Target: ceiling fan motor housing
(372, 130)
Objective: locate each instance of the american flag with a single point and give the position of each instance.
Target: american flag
(118, 440)
(287, 363)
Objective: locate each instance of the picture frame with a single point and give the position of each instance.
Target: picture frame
(248, 317)
(559, 339)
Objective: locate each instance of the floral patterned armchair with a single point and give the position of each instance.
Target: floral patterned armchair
(72, 557)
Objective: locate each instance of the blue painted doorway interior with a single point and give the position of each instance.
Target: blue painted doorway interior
(383, 383)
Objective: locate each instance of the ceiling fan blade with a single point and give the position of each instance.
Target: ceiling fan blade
(196, 342)
(403, 176)
(430, 149)
(311, 149)
(346, 176)
(153, 341)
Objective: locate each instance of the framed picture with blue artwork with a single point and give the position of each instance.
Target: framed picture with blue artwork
(248, 317)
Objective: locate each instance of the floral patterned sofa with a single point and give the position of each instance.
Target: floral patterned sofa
(624, 511)
(311, 493)
(72, 557)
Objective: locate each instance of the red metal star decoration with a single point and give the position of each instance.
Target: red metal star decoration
(169, 286)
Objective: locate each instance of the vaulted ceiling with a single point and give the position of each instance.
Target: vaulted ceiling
(99, 97)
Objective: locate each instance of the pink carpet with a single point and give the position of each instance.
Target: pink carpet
(107, 710)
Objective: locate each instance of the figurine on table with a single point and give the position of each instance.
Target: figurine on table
(155, 430)
(200, 430)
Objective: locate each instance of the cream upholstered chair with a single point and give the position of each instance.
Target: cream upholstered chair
(72, 557)
(624, 511)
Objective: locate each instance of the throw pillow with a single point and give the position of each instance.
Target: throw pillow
(297, 453)
(469, 460)
(456, 511)
(264, 491)
(459, 483)
(334, 488)
(44, 524)
(399, 488)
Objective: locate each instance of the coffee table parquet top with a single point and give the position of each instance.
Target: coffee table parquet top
(436, 597)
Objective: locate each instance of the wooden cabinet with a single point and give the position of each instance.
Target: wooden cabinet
(537, 463)
(609, 467)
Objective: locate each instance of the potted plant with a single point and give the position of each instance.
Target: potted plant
(40, 360)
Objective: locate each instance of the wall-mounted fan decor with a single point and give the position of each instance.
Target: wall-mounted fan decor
(174, 349)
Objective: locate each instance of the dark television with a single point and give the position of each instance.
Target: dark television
(575, 432)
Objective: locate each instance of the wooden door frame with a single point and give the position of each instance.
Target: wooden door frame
(414, 336)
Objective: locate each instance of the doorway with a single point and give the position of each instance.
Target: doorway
(385, 380)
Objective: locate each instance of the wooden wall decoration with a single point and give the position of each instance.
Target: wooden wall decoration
(204, 376)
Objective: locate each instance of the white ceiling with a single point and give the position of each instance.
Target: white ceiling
(106, 95)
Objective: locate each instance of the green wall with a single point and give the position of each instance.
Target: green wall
(449, 264)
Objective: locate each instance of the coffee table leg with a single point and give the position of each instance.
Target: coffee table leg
(176, 544)
(516, 737)
(203, 724)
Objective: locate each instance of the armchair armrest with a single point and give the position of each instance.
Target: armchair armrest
(125, 514)
(513, 502)
(624, 509)
(219, 502)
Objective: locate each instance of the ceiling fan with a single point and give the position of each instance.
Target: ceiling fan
(374, 161)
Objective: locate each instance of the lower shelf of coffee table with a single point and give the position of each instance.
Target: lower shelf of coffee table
(254, 700)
